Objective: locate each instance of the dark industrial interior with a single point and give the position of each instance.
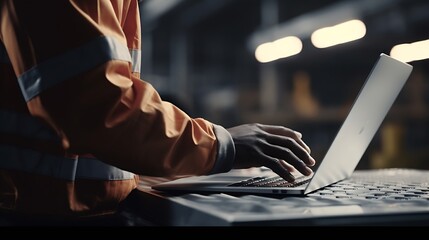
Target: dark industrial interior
(200, 54)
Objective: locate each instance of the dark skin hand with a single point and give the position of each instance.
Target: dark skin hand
(279, 148)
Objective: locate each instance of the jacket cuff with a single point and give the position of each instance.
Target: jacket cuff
(225, 151)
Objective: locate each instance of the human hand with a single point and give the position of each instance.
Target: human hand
(278, 148)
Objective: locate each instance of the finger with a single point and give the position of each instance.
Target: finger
(286, 165)
(302, 144)
(276, 166)
(291, 144)
(298, 164)
(286, 132)
(297, 136)
(288, 156)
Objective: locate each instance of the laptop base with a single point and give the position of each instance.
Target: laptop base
(228, 210)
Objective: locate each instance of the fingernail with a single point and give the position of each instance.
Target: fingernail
(308, 148)
(308, 171)
(298, 134)
(290, 177)
(312, 161)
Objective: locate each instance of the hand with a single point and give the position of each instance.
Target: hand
(278, 148)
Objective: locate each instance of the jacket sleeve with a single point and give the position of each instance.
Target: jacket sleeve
(73, 64)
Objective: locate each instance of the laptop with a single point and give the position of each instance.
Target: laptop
(371, 106)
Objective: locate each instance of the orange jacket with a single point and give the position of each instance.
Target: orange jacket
(77, 125)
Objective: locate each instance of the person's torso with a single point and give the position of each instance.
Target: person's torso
(36, 174)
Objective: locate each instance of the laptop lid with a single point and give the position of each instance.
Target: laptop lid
(376, 97)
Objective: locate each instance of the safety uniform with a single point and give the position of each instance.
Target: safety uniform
(77, 124)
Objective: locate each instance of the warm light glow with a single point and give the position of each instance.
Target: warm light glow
(281, 48)
(338, 34)
(409, 52)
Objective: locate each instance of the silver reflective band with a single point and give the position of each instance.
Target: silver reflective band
(70, 64)
(20, 159)
(25, 125)
(136, 58)
(90, 168)
(4, 58)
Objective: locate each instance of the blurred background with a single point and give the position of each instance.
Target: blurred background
(295, 63)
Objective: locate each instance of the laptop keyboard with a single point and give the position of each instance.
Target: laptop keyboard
(373, 190)
(353, 189)
(271, 182)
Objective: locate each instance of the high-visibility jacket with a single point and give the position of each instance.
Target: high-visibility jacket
(77, 124)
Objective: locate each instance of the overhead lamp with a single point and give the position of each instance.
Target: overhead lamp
(281, 48)
(338, 34)
(409, 52)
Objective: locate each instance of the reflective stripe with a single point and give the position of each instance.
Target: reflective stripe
(59, 167)
(4, 58)
(70, 64)
(91, 168)
(26, 160)
(20, 159)
(136, 58)
(25, 125)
